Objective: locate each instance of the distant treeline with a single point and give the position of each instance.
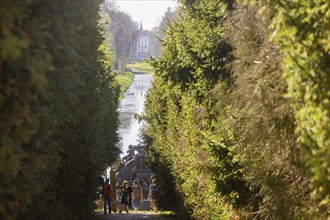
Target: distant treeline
(237, 120)
(58, 109)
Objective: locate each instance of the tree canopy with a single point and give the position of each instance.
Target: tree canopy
(124, 34)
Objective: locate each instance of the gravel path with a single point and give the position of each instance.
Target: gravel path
(133, 216)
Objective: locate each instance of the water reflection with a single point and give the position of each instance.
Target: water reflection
(131, 104)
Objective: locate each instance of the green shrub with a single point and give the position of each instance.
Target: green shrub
(59, 114)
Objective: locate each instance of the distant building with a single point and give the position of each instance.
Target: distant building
(143, 44)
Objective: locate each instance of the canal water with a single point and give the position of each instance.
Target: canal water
(132, 104)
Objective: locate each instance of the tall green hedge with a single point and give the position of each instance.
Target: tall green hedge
(302, 30)
(180, 113)
(238, 113)
(59, 104)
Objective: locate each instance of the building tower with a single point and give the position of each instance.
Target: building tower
(142, 44)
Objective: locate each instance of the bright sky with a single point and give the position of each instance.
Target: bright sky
(149, 11)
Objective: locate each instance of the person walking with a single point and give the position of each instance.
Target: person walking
(130, 195)
(137, 196)
(152, 195)
(106, 196)
(125, 197)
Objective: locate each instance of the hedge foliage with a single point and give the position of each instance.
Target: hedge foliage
(238, 114)
(58, 114)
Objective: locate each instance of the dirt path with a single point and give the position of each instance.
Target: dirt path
(133, 216)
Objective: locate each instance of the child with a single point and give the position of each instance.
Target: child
(124, 195)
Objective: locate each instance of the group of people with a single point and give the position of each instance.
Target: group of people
(130, 197)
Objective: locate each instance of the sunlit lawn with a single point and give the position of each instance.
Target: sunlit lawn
(124, 81)
(142, 66)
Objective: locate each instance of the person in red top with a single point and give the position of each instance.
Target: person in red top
(106, 196)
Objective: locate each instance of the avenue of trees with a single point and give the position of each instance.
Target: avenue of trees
(124, 32)
(58, 109)
(237, 120)
(159, 32)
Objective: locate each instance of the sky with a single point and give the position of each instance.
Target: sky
(149, 11)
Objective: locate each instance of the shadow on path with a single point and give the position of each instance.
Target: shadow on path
(133, 216)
